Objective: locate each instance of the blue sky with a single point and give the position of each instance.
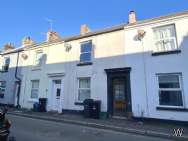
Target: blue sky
(20, 18)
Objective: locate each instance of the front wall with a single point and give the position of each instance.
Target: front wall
(112, 50)
(112, 46)
(173, 63)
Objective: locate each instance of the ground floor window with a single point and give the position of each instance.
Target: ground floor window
(84, 91)
(2, 88)
(34, 89)
(170, 90)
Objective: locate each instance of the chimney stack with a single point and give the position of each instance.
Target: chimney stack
(52, 36)
(27, 41)
(8, 46)
(84, 29)
(132, 17)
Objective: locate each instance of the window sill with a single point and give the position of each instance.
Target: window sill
(35, 68)
(79, 103)
(33, 100)
(84, 63)
(2, 71)
(172, 109)
(166, 52)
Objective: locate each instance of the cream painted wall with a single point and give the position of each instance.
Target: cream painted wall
(59, 61)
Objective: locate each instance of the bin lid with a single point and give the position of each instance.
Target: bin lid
(88, 101)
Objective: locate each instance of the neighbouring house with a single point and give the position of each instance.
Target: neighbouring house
(10, 72)
(136, 69)
(10, 77)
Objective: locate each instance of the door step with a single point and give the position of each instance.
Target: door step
(119, 117)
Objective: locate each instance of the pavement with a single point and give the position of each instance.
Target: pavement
(24, 128)
(151, 128)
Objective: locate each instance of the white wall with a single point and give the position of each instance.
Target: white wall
(9, 77)
(172, 63)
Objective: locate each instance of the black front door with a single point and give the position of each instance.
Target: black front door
(119, 93)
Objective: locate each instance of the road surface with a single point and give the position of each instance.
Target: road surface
(27, 129)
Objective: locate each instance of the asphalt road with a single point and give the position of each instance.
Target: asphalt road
(27, 129)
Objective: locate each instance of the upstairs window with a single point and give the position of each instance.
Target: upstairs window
(170, 90)
(6, 64)
(2, 88)
(84, 91)
(165, 38)
(86, 52)
(34, 89)
(38, 59)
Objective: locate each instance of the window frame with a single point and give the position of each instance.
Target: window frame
(35, 60)
(155, 50)
(1, 97)
(34, 99)
(91, 52)
(78, 88)
(5, 65)
(171, 89)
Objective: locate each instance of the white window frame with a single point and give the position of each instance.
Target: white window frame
(5, 64)
(34, 99)
(164, 39)
(171, 89)
(3, 88)
(36, 64)
(91, 52)
(78, 82)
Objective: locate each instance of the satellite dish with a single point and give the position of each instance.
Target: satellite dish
(141, 33)
(67, 47)
(24, 56)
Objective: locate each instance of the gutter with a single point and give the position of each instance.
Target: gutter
(18, 82)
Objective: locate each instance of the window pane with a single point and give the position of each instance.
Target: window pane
(84, 83)
(2, 84)
(83, 94)
(35, 84)
(165, 38)
(57, 81)
(119, 92)
(159, 46)
(39, 58)
(86, 47)
(2, 88)
(85, 57)
(2, 91)
(7, 61)
(169, 81)
(34, 93)
(58, 92)
(170, 98)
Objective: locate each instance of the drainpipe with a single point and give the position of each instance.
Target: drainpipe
(145, 76)
(19, 82)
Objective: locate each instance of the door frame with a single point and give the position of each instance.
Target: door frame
(118, 73)
(51, 94)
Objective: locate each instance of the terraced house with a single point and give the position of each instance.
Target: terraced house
(135, 69)
(10, 75)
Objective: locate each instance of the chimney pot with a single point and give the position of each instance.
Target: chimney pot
(132, 17)
(52, 36)
(27, 41)
(8, 46)
(84, 29)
